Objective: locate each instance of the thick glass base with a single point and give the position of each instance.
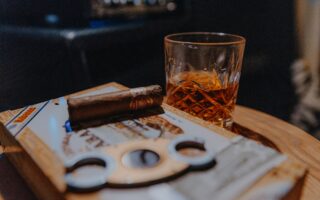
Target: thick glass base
(225, 123)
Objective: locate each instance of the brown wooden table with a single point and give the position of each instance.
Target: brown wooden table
(269, 130)
(290, 140)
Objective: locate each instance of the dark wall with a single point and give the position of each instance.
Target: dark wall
(135, 57)
(33, 12)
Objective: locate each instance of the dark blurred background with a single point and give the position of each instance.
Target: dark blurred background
(53, 47)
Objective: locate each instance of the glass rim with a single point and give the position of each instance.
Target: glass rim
(240, 39)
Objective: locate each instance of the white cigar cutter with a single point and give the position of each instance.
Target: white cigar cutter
(138, 162)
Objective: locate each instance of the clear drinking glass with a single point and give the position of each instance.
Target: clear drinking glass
(202, 74)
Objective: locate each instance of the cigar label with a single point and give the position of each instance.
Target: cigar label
(104, 105)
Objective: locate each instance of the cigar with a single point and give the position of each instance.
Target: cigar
(113, 103)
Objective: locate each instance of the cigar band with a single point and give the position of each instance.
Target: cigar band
(141, 102)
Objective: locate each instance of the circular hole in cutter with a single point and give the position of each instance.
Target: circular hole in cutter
(88, 172)
(141, 158)
(191, 148)
(88, 162)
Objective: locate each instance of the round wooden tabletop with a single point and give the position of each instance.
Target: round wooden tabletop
(288, 139)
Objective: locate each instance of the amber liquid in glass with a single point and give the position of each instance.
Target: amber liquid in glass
(201, 94)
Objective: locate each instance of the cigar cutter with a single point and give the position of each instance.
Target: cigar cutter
(139, 162)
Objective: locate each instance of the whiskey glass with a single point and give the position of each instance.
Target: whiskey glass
(202, 74)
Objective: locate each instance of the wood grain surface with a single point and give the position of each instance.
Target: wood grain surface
(294, 142)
